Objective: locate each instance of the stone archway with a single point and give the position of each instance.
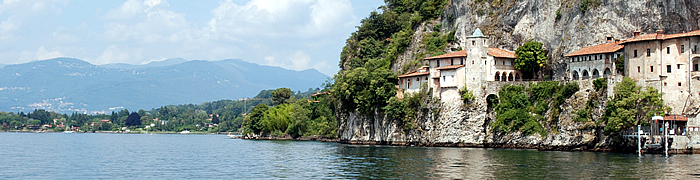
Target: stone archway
(504, 76)
(696, 64)
(585, 74)
(607, 72)
(574, 76)
(510, 76)
(518, 77)
(596, 74)
(497, 77)
(491, 102)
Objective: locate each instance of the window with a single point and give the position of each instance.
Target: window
(668, 50)
(635, 53)
(600, 56)
(695, 49)
(695, 67)
(639, 69)
(652, 68)
(504, 62)
(595, 57)
(438, 63)
(473, 43)
(665, 84)
(452, 61)
(668, 68)
(679, 83)
(648, 52)
(682, 48)
(679, 66)
(461, 61)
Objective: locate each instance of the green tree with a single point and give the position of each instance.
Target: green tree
(530, 58)
(134, 119)
(280, 95)
(298, 119)
(15, 124)
(365, 89)
(631, 106)
(252, 122)
(215, 119)
(276, 119)
(34, 122)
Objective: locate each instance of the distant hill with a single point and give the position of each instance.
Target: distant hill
(167, 62)
(68, 85)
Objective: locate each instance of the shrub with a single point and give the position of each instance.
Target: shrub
(467, 95)
(599, 84)
(480, 12)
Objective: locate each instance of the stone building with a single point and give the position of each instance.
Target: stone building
(667, 62)
(591, 61)
(412, 81)
(471, 67)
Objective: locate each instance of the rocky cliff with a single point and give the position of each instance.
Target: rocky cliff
(563, 26)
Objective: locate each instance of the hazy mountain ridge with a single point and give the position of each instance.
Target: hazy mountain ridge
(68, 85)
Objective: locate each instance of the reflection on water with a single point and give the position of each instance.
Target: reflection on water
(119, 156)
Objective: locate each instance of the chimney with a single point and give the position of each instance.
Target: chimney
(608, 39)
(659, 33)
(617, 41)
(636, 34)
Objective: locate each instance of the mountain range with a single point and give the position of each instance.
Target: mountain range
(72, 85)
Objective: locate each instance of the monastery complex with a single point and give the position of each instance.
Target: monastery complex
(667, 62)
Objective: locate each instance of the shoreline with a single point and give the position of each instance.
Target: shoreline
(400, 143)
(488, 145)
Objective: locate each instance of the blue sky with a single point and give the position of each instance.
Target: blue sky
(293, 34)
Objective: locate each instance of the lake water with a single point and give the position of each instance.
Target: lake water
(170, 156)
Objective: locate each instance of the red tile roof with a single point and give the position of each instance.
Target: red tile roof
(414, 73)
(495, 52)
(653, 36)
(597, 49)
(462, 53)
(450, 67)
(691, 33)
(675, 117)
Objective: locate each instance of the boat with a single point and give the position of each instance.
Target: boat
(185, 132)
(67, 131)
(234, 136)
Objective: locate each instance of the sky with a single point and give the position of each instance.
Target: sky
(292, 34)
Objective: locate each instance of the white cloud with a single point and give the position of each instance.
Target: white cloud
(9, 25)
(42, 54)
(293, 34)
(114, 54)
(146, 22)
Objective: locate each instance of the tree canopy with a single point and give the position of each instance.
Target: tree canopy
(215, 119)
(280, 95)
(631, 106)
(530, 58)
(134, 119)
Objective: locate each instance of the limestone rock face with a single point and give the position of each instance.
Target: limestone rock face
(513, 22)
